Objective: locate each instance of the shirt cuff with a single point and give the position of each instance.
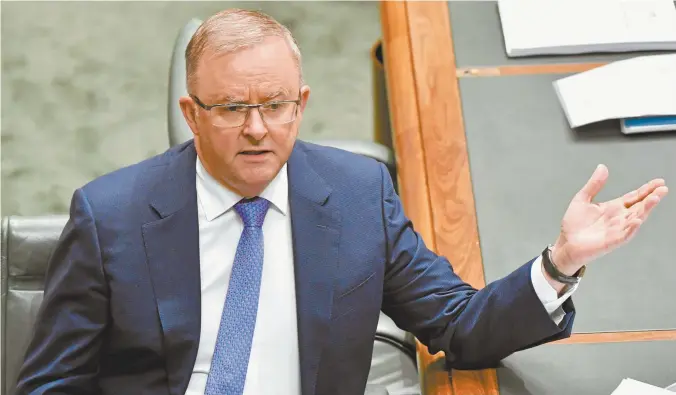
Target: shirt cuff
(547, 294)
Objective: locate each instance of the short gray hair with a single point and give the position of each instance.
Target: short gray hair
(231, 30)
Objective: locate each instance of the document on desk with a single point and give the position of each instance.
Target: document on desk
(632, 88)
(633, 387)
(539, 27)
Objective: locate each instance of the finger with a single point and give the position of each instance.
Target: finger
(662, 192)
(594, 184)
(631, 229)
(620, 231)
(619, 221)
(642, 210)
(641, 193)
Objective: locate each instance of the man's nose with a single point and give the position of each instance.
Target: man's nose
(254, 126)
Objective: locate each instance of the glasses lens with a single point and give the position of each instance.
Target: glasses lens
(278, 113)
(229, 116)
(272, 114)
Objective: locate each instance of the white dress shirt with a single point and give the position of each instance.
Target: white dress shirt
(548, 295)
(274, 366)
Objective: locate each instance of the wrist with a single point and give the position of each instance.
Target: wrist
(557, 286)
(561, 259)
(558, 269)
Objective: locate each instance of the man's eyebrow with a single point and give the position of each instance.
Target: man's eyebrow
(276, 93)
(227, 99)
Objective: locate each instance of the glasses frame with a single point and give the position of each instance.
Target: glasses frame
(208, 107)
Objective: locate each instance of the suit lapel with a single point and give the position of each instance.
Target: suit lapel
(172, 251)
(316, 236)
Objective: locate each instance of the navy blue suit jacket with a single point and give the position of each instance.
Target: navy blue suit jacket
(121, 311)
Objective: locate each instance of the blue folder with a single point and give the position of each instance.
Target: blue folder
(649, 124)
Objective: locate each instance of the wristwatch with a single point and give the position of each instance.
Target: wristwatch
(555, 273)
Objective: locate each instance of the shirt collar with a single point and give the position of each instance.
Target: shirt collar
(216, 199)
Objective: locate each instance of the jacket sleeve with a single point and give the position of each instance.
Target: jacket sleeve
(63, 354)
(475, 328)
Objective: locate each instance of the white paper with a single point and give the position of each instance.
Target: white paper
(633, 387)
(637, 87)
(536, 27)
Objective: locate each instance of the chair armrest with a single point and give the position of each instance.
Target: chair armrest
(435, 378)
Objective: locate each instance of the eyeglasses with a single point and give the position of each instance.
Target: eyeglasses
(233, 115)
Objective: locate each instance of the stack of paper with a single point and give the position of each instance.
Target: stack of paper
(638, 87)
(633, 387)
(536, 27)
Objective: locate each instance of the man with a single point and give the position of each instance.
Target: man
(247, 262)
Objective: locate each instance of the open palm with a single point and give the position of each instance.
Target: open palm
(590, 230)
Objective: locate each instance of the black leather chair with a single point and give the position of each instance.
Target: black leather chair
(27, 244)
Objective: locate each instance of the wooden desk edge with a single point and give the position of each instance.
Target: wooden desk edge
(410, 156)
(497, 71)
(415, 32)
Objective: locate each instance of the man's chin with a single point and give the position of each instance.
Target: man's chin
(258, 177)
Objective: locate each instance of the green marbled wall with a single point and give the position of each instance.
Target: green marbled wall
(84, 85)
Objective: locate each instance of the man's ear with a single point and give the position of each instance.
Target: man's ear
(189, 112)
(304, 96)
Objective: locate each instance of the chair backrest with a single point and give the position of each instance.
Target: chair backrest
(27, 244)
(179, 131)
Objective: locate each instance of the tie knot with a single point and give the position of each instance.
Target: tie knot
(252, 211)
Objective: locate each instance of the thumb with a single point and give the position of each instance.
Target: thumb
(594, 184)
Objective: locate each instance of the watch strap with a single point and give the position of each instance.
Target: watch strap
(554, 271)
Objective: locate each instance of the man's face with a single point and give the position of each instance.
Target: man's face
(246, 148)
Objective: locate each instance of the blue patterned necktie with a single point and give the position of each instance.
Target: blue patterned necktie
(233, 344)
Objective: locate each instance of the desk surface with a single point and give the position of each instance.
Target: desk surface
(587, 369)
(526, 163)
(473, 133)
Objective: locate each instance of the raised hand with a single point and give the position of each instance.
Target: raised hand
(590, 230)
